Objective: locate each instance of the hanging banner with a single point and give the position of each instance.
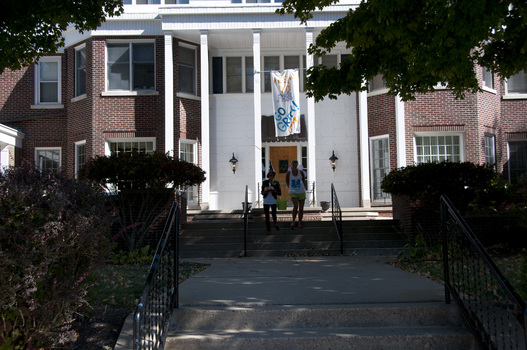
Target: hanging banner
(286, 104)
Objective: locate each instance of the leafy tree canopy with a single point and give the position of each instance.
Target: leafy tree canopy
(30, 29)
(417, 45)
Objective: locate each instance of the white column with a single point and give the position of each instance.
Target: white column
(364, 150)
(169, 95)
(257, 116)
(311, 136)
(400, 132)
(205, 123)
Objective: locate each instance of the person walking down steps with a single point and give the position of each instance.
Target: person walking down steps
(296, 181)
(270, 191)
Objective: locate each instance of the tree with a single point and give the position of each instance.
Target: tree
(417, 45)
(144, 186)
(30, 29)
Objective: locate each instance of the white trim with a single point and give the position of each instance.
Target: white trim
(514, 97)
(169, 93)
(79, 98)
(377, 92)
(76, 164)
(364, 150)
(400, 132)
(188, 96)
(129, 93)
(55, 106)
(487, 89)
(205, 111)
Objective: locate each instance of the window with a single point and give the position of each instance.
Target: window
(270, 63)
(329, 61)
(517, 161)
(131, 66)
(517, 84)
(187, 70)
(48, 159)
(80, 156)
(377, 83)
(48, 81)
(249, 74)
(139, 145)
(488, 78)
(490, 149)
(234, 74)
(380, 165)
(438, 148)
(188, 153)
(80, 71)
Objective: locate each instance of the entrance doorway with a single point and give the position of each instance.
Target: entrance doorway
(281, 158)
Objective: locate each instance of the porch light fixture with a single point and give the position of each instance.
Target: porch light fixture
(233, 162)
(333, 160)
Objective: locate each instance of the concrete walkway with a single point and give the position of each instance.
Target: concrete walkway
(330, 280)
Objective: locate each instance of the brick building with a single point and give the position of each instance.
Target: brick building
(181, 76)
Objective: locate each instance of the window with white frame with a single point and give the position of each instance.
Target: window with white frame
(80, 71)
(130, 66)
(490, 149)
(187, 70)
(255, 1)
(80, 156)
(238, 76)
(139, 145)
(188, 152)
(488, 78)
(517, 84)
(377, 83)
(517, 161)
(48, 158)
(380, 165)
(155, 2)
(438, 148)
(48, 81)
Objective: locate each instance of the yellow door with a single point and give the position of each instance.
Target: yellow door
(281, 158)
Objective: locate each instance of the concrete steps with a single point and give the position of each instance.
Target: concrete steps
(225, 238)
(408, 326)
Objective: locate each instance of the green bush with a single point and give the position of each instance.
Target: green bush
(143, 187)
(53, 233)
(424, 184)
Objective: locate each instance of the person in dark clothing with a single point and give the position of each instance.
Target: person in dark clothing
(270, 191)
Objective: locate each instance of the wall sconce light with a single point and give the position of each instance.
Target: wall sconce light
(233, 162)
(333, 160)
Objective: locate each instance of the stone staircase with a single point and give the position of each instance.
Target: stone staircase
(408, 326)
(225, 238)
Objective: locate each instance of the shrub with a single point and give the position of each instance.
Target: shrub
(425, 183)
(143, 185)
(53, 233)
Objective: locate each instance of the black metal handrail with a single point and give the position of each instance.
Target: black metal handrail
(245, 220)
(494, 312)
(161, 293)
(336, 214)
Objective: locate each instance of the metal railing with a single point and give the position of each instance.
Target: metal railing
(161, 293)
(336, 214)
(493, 311)
(245, 220)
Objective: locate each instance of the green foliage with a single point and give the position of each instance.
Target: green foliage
(30, 29)
(420, 250)
(142, 170)
(145, 185)
(137, 257)
(53, 233)
(417, 45)
(424, 184)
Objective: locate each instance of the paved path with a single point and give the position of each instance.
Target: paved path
(331, 280)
